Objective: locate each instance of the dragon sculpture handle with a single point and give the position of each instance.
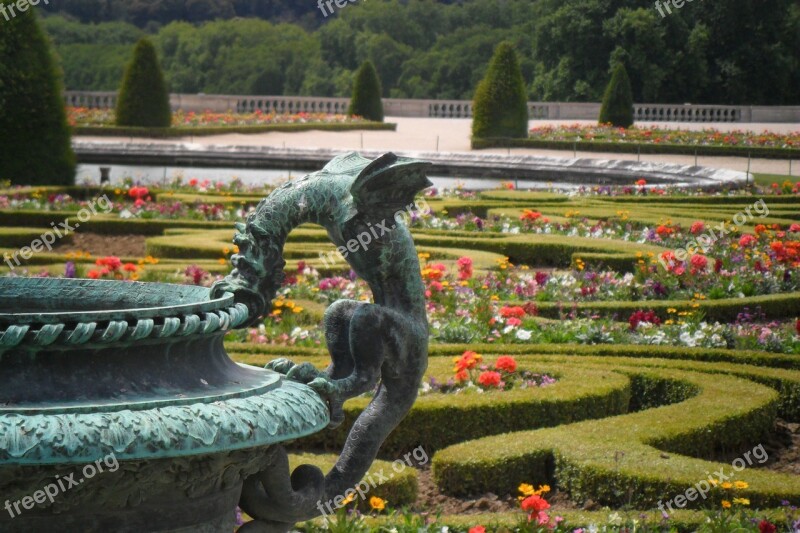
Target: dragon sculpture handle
(383, 344)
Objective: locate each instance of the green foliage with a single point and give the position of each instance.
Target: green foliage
(617, 108)
(366, 101)
(143, 99)
(116, 131)
(500, 108)
(35, 144)
(721, 53)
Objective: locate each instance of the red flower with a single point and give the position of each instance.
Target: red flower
(110, 262)
(508, 312)
(699, 263)
(794, 228)
(477, 529)
(766, 527)
(641, 183)
(462, 375)
(697, 227)
(535, 504)
(747, 240)
(490, 379)
(664, 231)
(506, 363)
(761, 228)
(93, 274)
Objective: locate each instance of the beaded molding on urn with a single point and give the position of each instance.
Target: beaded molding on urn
(88, 333)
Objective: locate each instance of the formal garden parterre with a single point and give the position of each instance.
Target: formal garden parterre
(571, 350)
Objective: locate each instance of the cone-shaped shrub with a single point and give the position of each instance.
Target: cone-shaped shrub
(143, 98)
(366, 101)
(500, 108)
(35, 144)
(617, 108)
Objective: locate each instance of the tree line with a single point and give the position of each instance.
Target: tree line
(733, 52)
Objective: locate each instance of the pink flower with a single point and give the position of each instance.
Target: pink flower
(513, 321)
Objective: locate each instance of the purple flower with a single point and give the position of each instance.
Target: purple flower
(69, 270)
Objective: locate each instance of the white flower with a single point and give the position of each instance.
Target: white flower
(523, 335)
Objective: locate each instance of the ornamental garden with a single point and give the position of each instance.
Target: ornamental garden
(576, 361)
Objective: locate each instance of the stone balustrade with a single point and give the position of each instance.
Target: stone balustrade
(399, 107)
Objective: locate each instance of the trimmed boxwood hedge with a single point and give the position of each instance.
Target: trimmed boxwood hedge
(440, 420)
(632, 148)
(168, 133)
(613, 461)
(785, 305)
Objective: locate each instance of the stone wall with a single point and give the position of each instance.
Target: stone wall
(396, 107)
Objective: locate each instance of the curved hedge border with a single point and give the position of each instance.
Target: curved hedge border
(614, 460)
(438, 420)
(632, 148)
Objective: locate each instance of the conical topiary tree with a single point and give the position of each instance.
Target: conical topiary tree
(617, 108)
(35, 144)
(143, 98)
(500, 108)
(366, 101)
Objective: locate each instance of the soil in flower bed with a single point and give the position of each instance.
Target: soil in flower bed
(128, 246)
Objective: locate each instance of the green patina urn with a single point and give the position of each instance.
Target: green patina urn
(120, 410)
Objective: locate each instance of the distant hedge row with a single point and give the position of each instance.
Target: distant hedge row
(632, 148)
(181, 131)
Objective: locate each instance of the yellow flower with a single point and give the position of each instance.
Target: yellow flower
(297, 309)
(276, 312)
(222, 260)
(226, 250)
(741, 484)
(713, 482)
(377, 504)
(349, 498)
(727, 485)
(543, 489)
(526, 490)
(741, 501)
(726, 504)
(278, 303)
